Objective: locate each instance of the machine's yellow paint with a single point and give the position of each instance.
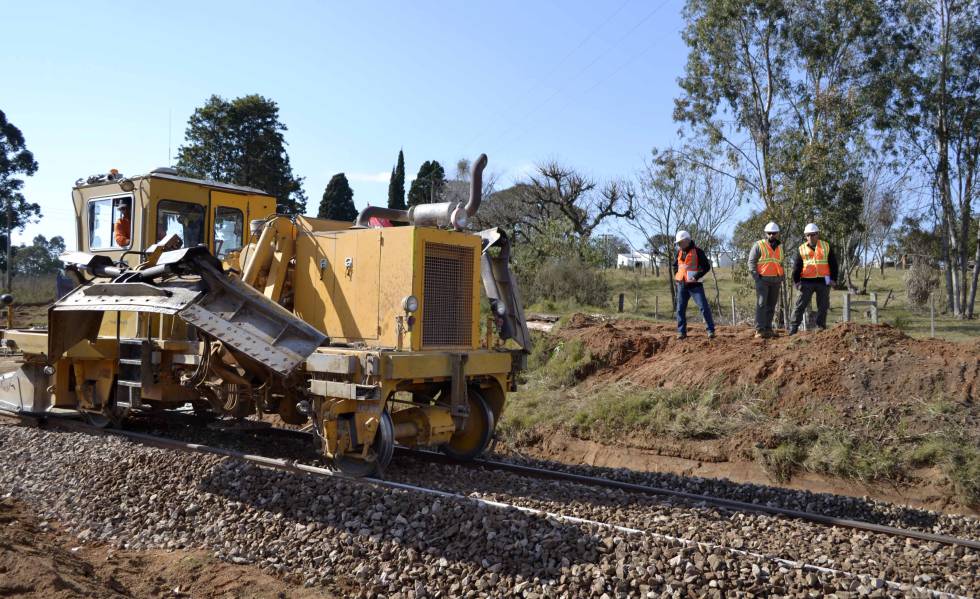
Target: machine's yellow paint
(347, 282)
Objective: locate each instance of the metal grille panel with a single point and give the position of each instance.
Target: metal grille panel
(447, 301)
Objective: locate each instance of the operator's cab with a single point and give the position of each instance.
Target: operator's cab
(121, 217)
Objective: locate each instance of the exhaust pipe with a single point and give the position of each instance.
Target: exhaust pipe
(442, 214)
(476, 185)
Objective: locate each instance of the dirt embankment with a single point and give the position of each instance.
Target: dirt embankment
(842, 366)
(857, 409)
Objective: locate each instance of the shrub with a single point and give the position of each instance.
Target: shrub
(920, 281)
(570, 279)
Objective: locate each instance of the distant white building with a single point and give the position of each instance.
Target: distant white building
(635, 260)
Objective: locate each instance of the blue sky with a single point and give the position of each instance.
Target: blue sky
(93, 85)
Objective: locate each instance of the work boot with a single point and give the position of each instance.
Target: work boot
(761, 335)
(682, 335)
(792, 331)
(711, 334)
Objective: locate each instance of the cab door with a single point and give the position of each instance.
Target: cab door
(230, 215)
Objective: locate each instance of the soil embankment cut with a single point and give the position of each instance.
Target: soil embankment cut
(858, 404)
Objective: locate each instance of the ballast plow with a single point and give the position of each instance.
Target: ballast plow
(371, 334)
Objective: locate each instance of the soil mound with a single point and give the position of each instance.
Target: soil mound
(844, 364)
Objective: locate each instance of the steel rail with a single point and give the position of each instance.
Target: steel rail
(595, 481)
(71, 425)
(732, 504)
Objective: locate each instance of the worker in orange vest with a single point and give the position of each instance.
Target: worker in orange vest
(814, 273)
(692, 264)
(122, 227)
(766, 266)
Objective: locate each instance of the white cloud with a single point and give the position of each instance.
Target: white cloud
(381, 177)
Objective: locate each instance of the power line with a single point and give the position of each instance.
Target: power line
(601, 55)
(553, 70)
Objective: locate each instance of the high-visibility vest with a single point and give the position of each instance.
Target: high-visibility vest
(815, 263)
(770, 260)
(688, 264)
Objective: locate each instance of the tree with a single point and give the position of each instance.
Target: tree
(15, 159)
(428, 185)
(680, 193)
(928, 108)
(40, 258)
(338, 200)
(396, 185)
(242, 142)
(559, 190)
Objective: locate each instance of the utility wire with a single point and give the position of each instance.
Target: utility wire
(609, 76)
(601, 55)
(554, 69)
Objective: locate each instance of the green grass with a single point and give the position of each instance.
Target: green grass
(867, 442)
(641, 292)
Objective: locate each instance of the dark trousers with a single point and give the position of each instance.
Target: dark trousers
(809, 288)
(766, 298)
(685, 293)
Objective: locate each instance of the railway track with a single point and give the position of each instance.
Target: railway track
(306, 469)
(538, 473)
(720, 502)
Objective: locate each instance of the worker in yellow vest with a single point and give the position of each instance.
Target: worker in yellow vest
(814, 273)
(692, 264)
(766, 266)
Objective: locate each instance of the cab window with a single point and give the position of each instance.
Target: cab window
(182, 218)
(110, 224)
(228, 226)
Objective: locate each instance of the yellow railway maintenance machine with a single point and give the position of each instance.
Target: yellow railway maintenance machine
(189, 291)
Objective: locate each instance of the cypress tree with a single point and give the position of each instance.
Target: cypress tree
(338, 200)
(396, 187)
(428, 184)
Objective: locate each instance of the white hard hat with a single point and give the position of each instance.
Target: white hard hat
(810, 228)
(772, 227)
(681, 235)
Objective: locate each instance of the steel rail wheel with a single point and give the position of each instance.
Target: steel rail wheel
(474, 438)
(379, 456)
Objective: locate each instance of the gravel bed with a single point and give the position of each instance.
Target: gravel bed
(362, 540)
(941, 567)
(840, 506)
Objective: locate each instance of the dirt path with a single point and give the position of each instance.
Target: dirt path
(37, 560)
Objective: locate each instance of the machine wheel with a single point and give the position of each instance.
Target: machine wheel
(379, 455)
(111, 416)
(471, 441)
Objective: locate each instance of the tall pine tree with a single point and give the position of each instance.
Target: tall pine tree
(428, 184)
(241, 141)
(396, 187)
(338, 200)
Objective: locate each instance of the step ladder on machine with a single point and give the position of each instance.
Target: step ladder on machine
(136, 369)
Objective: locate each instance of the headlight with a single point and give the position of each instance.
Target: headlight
(410, 303)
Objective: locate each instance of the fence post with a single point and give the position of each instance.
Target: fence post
(656, 307)
(734, 315)
(847, 306)
(622, 299)
(932, 316)
(874, 308)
